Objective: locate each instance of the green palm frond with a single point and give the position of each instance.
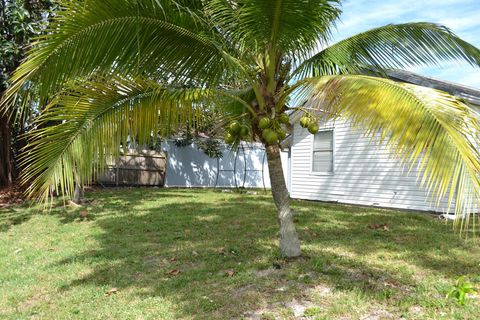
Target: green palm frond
(389, 47)
(422, 126)
(122, 36)
(236, 102)
(293, 27)
(92, 120)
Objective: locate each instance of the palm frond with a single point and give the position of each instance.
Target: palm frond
(122, 36)
(422, 126)
(389, 47)
(87, 125)
(294, 27)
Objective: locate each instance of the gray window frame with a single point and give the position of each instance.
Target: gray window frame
(313, 150)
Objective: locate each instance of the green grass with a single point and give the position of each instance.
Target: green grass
(59, 266)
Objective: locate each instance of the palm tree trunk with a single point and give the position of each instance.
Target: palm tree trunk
(289, 242)
(6, 161)
(78, 194)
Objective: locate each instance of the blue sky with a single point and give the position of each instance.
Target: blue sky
(461, 16)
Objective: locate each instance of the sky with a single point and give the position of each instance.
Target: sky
(460, 16)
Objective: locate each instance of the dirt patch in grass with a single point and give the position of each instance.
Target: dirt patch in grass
(34, 300)
(11, 196)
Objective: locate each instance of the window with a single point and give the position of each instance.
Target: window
(322, 158)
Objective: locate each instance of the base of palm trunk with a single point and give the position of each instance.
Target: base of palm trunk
(78, 195)
(289, 242)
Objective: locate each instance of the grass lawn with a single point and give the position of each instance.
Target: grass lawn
(202, 254)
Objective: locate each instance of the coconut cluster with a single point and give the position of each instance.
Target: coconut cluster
(236, 132)
(272, 131)
(309, 123)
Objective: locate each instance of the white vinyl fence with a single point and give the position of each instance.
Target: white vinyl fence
(247, 167)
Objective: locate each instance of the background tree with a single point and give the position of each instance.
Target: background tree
(20, 20)
(206, 134)
(110, 68)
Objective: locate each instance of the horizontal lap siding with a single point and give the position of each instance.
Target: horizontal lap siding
(365, 173)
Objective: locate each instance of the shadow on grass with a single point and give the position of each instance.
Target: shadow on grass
(19, 214)
(420, 238)
(184, 245)
(13, 216)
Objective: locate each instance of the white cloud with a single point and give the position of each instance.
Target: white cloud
(461, 16)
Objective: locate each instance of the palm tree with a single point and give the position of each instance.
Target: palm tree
(111, 69)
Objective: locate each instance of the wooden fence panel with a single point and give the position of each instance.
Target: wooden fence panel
(145, 168)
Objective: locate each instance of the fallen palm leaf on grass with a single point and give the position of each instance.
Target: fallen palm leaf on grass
(110, 292)
(375, 226)
(173, 273)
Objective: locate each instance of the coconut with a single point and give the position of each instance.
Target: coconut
(234, 127)
(244, 132)
(305, 121)
(229, 138)
(264, 123)
(313, 128)
(283, 118)
(269, 136)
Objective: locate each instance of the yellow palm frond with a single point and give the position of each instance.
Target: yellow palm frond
(421, 126)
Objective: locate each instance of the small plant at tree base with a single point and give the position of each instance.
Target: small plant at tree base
(460, 291)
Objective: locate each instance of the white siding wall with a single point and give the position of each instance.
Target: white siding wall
(364, 173)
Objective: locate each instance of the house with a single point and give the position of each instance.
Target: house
(341, 164)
